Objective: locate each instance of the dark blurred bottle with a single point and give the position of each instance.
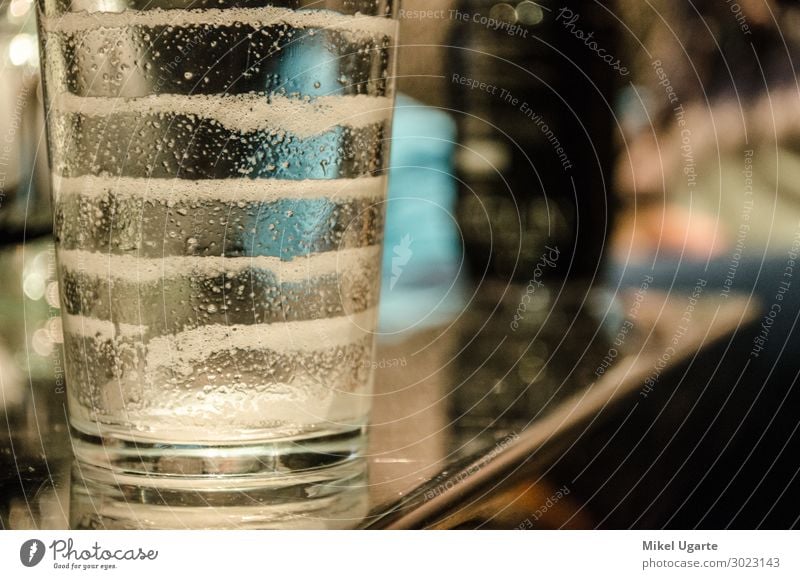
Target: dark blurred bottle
(537, 139)
(532, 87)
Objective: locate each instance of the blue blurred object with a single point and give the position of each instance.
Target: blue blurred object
(422, 252)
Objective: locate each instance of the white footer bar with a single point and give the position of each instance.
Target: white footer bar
(357, 554)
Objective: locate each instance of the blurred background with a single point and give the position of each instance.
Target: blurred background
(552, 161)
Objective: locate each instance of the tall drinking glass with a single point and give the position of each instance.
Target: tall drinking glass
(218, 171)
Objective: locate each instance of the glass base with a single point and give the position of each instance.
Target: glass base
(313, 482)
(328, 498)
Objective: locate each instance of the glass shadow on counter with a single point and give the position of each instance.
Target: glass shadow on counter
(100, 499)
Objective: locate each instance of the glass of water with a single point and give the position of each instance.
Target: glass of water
(218, 172)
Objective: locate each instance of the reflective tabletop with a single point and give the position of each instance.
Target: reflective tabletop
(472, 418)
